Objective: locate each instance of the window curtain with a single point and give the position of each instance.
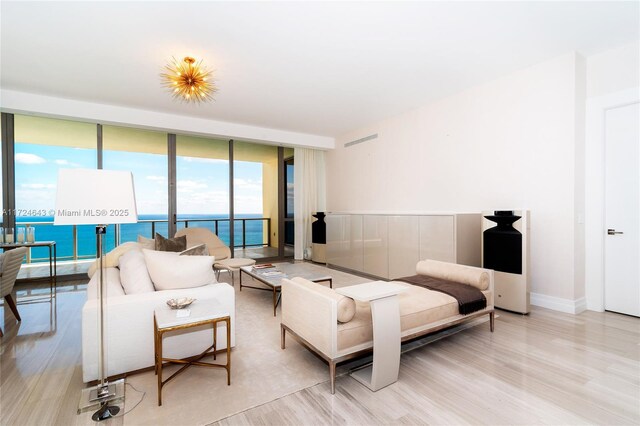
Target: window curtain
(309, 188)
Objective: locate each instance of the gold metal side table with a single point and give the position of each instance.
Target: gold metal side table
(165, 320)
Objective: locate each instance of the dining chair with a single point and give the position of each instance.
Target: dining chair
(10, 263)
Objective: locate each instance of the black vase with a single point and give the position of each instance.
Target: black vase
(502, 245)
(319, 229)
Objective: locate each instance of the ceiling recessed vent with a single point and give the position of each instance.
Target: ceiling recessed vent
(357, 141)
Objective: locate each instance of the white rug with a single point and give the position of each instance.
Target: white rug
(260, 370)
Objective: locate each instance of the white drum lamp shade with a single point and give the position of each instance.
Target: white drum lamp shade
(95, 197)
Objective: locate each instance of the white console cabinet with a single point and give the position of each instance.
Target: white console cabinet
(389, 246)
(344, 241)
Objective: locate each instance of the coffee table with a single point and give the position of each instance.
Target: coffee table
(273, 282)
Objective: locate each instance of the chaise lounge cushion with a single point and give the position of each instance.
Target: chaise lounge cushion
(472, 276)
(418, 306)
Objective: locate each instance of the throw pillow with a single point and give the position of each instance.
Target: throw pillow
(171, 244)
(111, 258)
(200, 250)
(169, 270)
(147, 243)
(133, 273)
(346, 309)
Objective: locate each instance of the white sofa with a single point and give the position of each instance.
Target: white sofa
(129, 326)
(312, 313)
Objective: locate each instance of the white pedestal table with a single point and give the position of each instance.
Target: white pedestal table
(385, 315)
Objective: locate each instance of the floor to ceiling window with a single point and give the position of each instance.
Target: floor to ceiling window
(202, 184)
(1, 183)
(42, 147)
(255, 194)
(144, 153)
(289, 226)
(202, 172)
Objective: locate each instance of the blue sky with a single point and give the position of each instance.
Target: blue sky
(202, 183)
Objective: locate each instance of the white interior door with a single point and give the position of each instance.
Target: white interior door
(622, 210)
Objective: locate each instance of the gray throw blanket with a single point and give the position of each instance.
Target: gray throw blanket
(469, 298)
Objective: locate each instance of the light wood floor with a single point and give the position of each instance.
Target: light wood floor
(544, 368)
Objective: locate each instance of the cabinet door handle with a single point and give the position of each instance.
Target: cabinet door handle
(613, 232)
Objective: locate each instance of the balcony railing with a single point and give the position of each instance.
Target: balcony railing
(114, 238)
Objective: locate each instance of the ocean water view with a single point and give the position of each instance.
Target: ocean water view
(63, 234)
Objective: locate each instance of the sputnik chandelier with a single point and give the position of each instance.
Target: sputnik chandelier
(188, 80)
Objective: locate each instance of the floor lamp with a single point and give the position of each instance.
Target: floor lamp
(101, 198)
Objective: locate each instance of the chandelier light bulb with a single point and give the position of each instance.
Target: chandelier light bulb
(189, 80)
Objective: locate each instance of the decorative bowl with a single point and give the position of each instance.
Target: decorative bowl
(180, 303)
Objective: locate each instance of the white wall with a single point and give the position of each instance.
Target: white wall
(506, 144)
(613, 79)
(613, 70)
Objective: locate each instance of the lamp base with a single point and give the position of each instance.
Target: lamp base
(105, 412)
(97, 397)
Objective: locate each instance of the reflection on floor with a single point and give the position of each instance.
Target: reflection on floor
(41, 366)
(543, 368)
(41, 269)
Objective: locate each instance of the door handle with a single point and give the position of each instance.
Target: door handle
(613, 232)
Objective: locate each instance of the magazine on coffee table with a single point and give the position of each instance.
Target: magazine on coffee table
(263, 266)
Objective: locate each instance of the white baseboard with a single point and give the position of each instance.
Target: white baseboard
(559, 304)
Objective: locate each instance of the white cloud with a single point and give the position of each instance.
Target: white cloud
(201, 202)
(248, 184)
(66, 163)
(35, 199)
(204, 160)
(190, 185)
(157, 178)
(38, 185)
(24, 158)
(247, 204)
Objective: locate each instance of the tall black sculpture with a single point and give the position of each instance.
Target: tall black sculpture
(319, 238)
(505, 249)
(502, 244)
(319, 229)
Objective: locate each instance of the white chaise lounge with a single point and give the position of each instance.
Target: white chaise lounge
(338, 329)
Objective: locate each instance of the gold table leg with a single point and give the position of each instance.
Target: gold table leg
(158, 334)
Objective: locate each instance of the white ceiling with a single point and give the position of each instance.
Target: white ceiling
(319, 68)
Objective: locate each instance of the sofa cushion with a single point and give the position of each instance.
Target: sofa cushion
(169, 270)
(112, 283)
(134, 274)
(177, 244)
(476, 277)
(418, 307)
(111, 258)
(201, 250)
